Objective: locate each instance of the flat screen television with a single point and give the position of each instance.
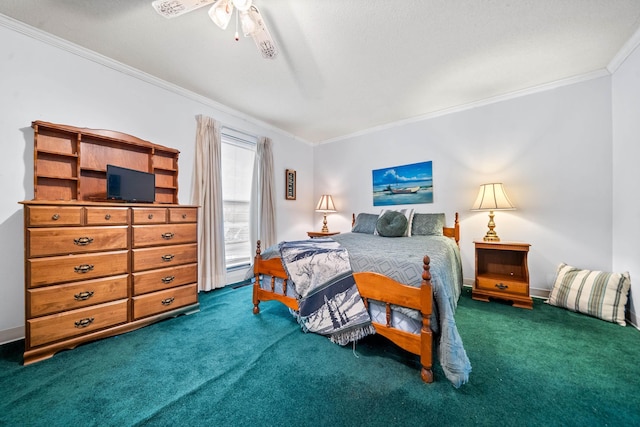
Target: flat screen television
(129, 185)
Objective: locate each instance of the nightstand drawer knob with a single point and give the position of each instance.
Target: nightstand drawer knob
(501, 286)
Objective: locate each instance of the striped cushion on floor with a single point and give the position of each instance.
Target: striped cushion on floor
(596, 293)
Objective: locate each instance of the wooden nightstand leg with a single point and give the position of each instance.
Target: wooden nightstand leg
(479, 297)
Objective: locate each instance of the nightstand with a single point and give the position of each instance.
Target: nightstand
(313, 234)
(502, 273)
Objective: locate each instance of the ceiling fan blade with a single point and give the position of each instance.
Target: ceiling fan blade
(261, 35)
(173, 8)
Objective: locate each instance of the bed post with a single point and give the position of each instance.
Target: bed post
(456, 232)
(353, 219)
(426, 338)
(256, 285)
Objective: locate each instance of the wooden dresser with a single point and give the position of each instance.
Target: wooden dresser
(96, 268)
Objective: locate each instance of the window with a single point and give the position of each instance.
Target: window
(238, 153)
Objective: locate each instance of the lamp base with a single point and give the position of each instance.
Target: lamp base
(325, 229)
(491, 238)
(491, 235)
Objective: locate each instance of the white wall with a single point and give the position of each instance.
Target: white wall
(39, 81)
(551, 149)
(626, 175)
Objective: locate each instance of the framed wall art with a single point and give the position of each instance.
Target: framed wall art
(290, 184)
(403, 185)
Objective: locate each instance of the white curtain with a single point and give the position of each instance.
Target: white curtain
(207, 194)
(263, 203)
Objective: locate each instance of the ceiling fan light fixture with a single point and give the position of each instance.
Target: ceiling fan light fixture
(221, 12)
(242, 5)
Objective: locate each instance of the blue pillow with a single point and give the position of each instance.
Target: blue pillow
(427, 224)
(365, 223)
(392, 224)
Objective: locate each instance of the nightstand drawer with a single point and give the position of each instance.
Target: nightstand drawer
(498, 284)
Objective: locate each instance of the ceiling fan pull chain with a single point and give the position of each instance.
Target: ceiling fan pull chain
(237, 35)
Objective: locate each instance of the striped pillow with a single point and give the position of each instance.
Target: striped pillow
(596, 293)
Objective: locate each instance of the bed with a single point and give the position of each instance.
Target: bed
(410, 286)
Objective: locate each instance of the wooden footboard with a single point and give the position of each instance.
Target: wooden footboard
(372, 286)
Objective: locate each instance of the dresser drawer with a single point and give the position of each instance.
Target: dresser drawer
(164, 256)
(158, 302)
(149, 215)
(68, 240)
(165, 234)
(498, 284)
(42, 216)
(72, 268)
(177, 215)
(54, 299)
(155, 280)
(107, 216)
(59, 326)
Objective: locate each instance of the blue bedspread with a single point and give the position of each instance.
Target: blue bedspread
(400, 258)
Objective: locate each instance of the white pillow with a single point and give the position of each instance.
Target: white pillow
(596, 293)
(408, 213)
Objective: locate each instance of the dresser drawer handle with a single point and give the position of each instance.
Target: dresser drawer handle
(150, 216)
(83, 296)
(55, 217)
(107, 217)
(168, 279)
(167, 301)
(84, 268)
(167, 236)
(83, 323)
(167, 258)
(83, 241)
(184, 216)
(501, 286)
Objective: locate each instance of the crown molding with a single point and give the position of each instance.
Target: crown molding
(626, 50)
(60, 43)
(477, 104)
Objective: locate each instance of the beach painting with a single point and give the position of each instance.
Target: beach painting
(403, 185)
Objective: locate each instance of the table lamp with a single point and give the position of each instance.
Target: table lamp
(325, 204)
(492, 197)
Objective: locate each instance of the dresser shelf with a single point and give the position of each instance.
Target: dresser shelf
(70, 163)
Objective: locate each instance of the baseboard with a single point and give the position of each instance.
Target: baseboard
(10, 335)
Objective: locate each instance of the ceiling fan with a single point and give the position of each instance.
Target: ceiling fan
(221, 13)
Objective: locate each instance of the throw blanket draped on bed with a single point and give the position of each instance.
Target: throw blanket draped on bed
(329, 303)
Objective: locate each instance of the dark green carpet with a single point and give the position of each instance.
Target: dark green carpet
(226, 367)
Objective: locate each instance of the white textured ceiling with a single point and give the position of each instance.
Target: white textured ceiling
(346, 66)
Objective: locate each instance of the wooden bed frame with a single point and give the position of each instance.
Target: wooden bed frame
(372, 286)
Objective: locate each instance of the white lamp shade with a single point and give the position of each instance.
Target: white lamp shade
(492, 197)
(325, 204)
